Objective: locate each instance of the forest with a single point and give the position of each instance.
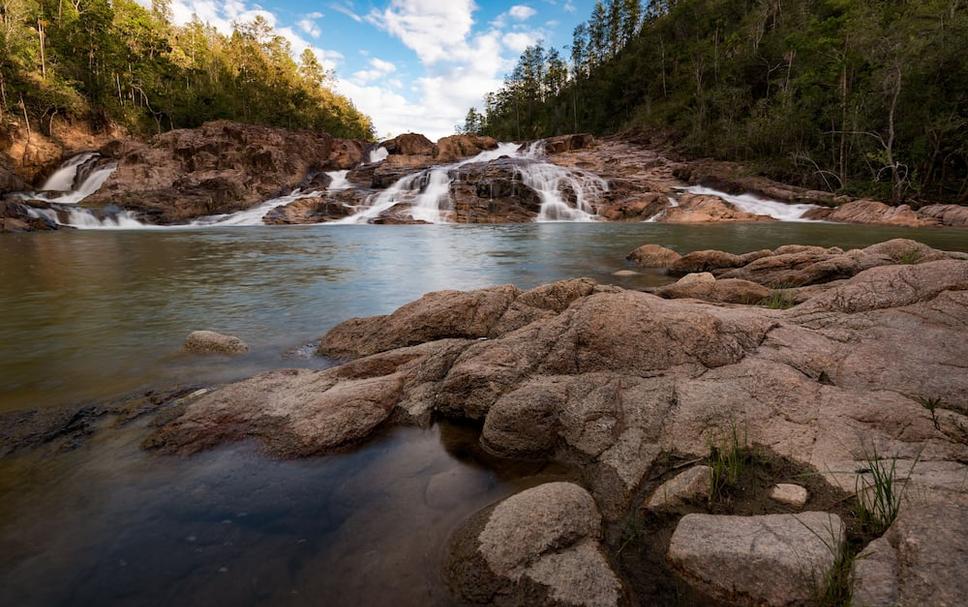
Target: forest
(863, 97)
(115, 62)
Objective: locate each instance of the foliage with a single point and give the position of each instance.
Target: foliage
(852, 96)
(879, 496)
(116, 61)
(778, 300)
(728, 458)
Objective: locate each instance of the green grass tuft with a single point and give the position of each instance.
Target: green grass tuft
(932, 404)
(910, 257)
(879, 493)
(727, 459)
(778, 300)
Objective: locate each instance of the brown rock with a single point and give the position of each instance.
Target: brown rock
(210, 342)
(695, 208)
(873, 212)
(409, 144)
(705, 286)
(568, 143)
(691, 485)
(653, 256)
(946, 214)
(453, 148)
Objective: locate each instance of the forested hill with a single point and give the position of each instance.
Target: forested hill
(855, 96)
(116, 62)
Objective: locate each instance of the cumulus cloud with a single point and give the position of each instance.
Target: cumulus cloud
(518, 41)
(308, 24)
(522, 12)
(378, 69)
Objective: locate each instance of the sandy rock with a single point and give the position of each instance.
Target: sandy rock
(691, 485)
(706, 287)
(541, 547)
(789, 494)
(210, 342)
(756, 560)
(653, 256)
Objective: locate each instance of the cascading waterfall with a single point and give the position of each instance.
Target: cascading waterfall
(428, 191)
(377, 155)
(65, 177)
(760, 206)
(62, 180)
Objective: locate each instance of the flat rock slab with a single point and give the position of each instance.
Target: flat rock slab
(756, 560)
(688, 486)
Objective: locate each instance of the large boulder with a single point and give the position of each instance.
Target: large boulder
(567, 143)
(17, 217)
(492, 192)
(873, 212)
(457, 147)
(320, 208)
(707, 287)
(210, 342)
(409, 144)
(776, 559)
(220, 167)
(946, 214)
(653, 256)
(539, 547)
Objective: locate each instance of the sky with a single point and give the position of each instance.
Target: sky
(412, 65)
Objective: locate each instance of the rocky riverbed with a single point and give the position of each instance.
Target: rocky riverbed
(730, 433)
(234, 174)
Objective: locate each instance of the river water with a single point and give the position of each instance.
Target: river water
(90, 315)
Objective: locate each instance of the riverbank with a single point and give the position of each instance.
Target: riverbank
(627, 390)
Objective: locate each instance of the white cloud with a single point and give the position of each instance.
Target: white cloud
(378, 69)
(346, 9)
(431, 28)
(522, 12)
(308, 24)
(518, 41)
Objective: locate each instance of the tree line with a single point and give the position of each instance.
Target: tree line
(864, 97)
(117, 62)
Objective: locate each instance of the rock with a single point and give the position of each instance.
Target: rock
(17, 217)
(438, 315)
(320, 208)
(210, 342)
(690, 486)
(695, 208)
(917, 562)
(345, 154)
(619, 206)
(456, 147)
(625, 273)
(706, 287)
(872, 212)
(493, 192)
(653, 256)
(789, 494)
(10, 181)
(568, 143)
(735, 178)
(709, 261)
(409, 144)
(946, 214)
(220, 167)
(756, 560)
(539, 547)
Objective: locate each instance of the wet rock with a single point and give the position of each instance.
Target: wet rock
(695, 208)
(789, 494)
(709, 261)
(653, 256)
(568, 143)
(872, 212)
(756, 560)
(707, 287)
(493, 192)
(735, 178)
(321, 208)
(539, 547)
(619, 206)
(210, 342)
(691, 485)
(16, 217)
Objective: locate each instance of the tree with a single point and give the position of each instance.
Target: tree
(598, 33)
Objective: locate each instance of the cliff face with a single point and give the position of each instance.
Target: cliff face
(27, 155)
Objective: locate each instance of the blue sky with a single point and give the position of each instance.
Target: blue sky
(413, 65)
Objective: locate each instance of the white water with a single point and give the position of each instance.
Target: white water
(338, 181)
(62, 180)
(428, 192)
(760, 206)
(378, 155)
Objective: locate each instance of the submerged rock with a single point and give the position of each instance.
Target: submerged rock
(210, 342)
(653, 256)
(539, 547)
(773, 559)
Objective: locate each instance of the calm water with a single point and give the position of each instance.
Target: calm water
(95, 314)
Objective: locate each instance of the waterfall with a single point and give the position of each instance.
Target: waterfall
(338, 180)
(377, 155)
(760, 206)
(428, 191)
(62, 180)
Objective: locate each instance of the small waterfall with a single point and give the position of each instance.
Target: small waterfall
(550, 181)
(62, 180)
(377, 155)
(760, 206)
(426, 206)
(338, 181)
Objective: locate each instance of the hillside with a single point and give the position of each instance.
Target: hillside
(116, 64)
(850, 96)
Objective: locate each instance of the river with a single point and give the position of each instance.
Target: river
(92, 315)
